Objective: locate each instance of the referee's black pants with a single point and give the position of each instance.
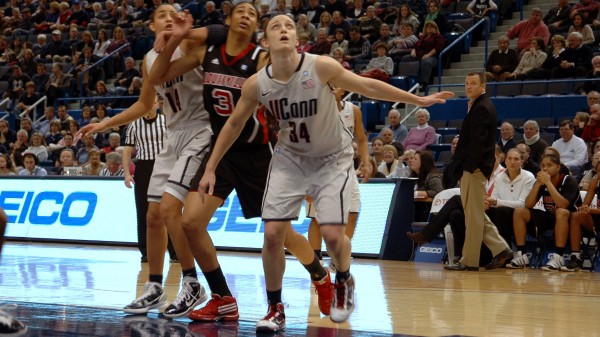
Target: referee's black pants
(143, 172)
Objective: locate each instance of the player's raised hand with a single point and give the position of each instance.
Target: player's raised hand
(207, 184)
(161, 39)
(182, 23)
(437, 98)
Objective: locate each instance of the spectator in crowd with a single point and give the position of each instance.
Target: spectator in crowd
(578, 59)
(338, 55)
(407, 16)
(399, 130)
(390, 161)
(507, 132)
(370, 25)
(113, 166)
(65, 142)
(359, 48)
(333, 6)
(102, 44)
(38, 147)
(114, 141)
(325, 22)
(322, 46)
(426, 52)
(53, 137)
(429, 181)
(585, 30)
(124, 19)
(43, 126)
(6, 166)
(8, 137)
(86, 116)
(16, 85)
(374, 172)
(419, 7)
(124, 81)
(101, 93)
(377, 146)
(45, 21)
(58, 83)
(94, 165)
(579, 122)
(559, 194)
(27, 125)
(96, 16)
(212, 16)
(588, 9)
(84, 152)
(40, 48)
(22, 142)
(591, 131)
(587, 175)
(40, 79)
(314, 11)
(27, 99)
(526, 30)
(140, 15)
(356, 11)
(387, 136)
(118, 40)
(380, 67)
(555, 56)
(67, 159)
(558, 17)
(64, 117)
(304, 26)
(531, 61)
(572, 149)
(303, 43)
(87, 41)
(78, 16)
(280, 8)
(297, 10)
(434, 15)
(502, 62)
(422, 135)
(403, 43)
(17, 47)
(339, 41)
(528, 163)
(593, 74)
(337, 21)
(531, 137)
(480, 10)
(384, 37)
(28, 64)
(57, 49)
(31, 168)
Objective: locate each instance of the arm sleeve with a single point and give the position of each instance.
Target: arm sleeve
(217, 34)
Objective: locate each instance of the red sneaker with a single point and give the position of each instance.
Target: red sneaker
(217, 309)
(324, 290)
(273, 321)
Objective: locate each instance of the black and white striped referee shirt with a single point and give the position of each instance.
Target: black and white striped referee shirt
(147, 136)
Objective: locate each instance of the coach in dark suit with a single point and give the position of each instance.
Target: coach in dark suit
(474, 157)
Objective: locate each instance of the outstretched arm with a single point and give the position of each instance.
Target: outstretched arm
(330, 70)
(230, 132)
(137, 110)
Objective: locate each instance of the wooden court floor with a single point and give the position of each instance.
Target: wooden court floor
(76, 290)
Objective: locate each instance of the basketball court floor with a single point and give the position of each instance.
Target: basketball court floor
(78, 290)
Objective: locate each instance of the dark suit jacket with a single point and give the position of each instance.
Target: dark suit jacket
(509, 145)
(554, 16)
(477, 141)
(582, 57)
(509, 61)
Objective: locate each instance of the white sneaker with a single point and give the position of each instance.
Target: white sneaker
(153, 297)
(519, 261)
(555, 263)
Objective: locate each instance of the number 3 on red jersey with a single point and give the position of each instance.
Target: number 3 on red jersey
(224, 105)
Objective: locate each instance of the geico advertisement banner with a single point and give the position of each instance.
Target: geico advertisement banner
(69, 209)
(104, 210)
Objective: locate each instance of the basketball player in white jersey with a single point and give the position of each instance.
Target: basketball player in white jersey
(246, 164)
(352, 118)
(313, 156)
(188, 140)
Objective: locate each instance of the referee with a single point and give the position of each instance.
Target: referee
(147, 136)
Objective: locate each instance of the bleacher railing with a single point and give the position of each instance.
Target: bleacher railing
(461, 39)
(542, 87)
(100, 62)
(33, 108)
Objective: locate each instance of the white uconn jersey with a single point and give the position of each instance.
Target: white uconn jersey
(347, 114)
(183, 103)
(306, 109)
